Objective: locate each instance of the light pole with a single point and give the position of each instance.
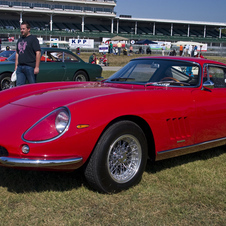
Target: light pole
(46, 25)
(131, 33)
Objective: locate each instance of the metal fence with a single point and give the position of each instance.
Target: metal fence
(211, 50)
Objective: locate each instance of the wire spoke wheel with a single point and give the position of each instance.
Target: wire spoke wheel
(124, 158)
(119, 158)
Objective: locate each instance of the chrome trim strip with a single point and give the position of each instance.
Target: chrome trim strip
(16, 162)
(190, 149)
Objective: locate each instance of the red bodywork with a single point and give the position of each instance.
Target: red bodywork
(177, 117)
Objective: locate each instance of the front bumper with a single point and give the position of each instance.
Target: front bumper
(57, 164)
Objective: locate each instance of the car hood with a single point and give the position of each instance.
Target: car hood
(64, 95)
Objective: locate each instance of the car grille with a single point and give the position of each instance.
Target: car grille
(3, 151)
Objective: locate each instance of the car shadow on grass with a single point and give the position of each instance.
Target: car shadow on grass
(184, 159)
(22, 181)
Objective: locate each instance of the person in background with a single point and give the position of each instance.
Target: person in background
(141, 51)
(181, 50)
(185, 51)
(111, 48)
(119, 45)
(104, 60)
(192, 51)
(148, 51)
(195, 50)
(163, 49)
(131, 49)
(28, 55)
(93, 59)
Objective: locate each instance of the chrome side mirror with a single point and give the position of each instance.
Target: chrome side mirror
(208, 84)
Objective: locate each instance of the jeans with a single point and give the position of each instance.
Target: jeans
(119, 51)
(24, 73)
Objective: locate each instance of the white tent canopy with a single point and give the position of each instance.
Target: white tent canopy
(183, 43)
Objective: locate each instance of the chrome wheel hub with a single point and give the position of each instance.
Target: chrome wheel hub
(124, 158)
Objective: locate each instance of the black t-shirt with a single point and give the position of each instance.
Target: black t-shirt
(26, 49)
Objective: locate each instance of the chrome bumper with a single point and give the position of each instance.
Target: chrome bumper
(72, 163)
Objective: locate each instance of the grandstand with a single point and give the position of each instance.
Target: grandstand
(96, 19)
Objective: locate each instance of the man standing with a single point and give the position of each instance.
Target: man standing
(111, 47)
(163, 49)
(28, 55)
(181, 50)
(119, 45)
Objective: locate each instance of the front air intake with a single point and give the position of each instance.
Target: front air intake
(3, 151)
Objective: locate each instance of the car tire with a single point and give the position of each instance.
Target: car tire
(119, 158)
(80, 76)
(5, 81)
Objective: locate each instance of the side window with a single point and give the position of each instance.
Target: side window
(46, 57)
(217, 76)
(187, 73)
(70, 58)
(52, 56)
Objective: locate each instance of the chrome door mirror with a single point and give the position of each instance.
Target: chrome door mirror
(208, 84)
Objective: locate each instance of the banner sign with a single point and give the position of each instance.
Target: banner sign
(81, 43)
(159, 45)
(103, 48)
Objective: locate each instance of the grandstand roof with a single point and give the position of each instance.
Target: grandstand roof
(173, 21)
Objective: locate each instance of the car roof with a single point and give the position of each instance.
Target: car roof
(190, 59)
(56, 49)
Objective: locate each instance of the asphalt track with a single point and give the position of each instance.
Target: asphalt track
(109, 68)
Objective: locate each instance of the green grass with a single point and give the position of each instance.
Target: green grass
(122, 60)
(187, 190)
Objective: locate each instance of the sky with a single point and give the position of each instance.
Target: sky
(192, 10)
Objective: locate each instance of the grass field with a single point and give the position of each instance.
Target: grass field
(122, 60)
(187, 190)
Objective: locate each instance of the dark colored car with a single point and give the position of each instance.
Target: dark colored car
(56, 65)
(6, 54)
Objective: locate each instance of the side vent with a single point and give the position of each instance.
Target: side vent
(179, 128)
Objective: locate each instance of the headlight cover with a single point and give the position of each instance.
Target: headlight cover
(50, 127)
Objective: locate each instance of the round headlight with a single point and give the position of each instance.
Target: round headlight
(50, 127)
(62, 120)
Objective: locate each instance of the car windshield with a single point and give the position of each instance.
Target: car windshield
(12, 57)
(158, 72)
(6, 54)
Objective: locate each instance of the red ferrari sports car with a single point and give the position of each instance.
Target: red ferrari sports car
(154, 107)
